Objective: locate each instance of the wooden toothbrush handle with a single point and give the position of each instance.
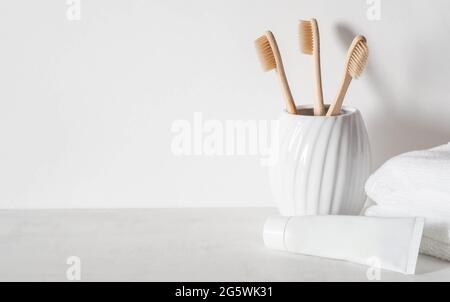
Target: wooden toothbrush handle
(335, 108)
(319, 107)
(290, 104)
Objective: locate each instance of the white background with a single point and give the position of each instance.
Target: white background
(86, 107)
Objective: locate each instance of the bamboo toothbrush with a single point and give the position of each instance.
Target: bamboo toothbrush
(357, 56)
(270, 58)
(310, 45)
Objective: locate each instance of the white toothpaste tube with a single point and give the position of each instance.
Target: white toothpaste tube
(389, 243)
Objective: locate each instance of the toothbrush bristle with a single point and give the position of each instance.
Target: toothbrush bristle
(265, 53)
(306, 37)
(358, 57)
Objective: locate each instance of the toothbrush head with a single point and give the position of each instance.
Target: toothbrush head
(266, 52)
(308, 36)
(357, 57)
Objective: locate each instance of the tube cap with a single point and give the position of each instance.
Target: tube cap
(273, 233)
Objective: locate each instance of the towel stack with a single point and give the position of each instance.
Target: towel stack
(416, 184)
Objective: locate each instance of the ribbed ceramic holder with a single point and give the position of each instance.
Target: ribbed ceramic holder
(323, 163)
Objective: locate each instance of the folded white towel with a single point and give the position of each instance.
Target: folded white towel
(436, 233)
(416, 184)
(419, 179)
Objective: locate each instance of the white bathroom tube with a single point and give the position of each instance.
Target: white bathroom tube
(389, 243)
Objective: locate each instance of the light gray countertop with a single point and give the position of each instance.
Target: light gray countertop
(166, 245)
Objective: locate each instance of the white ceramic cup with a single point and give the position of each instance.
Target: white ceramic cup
(322, 163)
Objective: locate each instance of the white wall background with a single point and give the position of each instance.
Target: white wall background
(86, 107)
